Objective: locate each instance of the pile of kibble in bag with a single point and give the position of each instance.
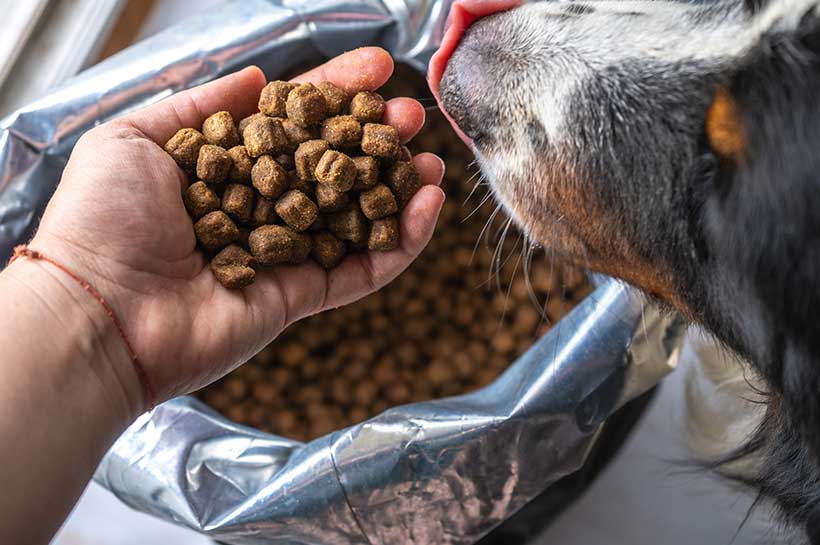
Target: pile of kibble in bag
(314, 174)
(451, 323)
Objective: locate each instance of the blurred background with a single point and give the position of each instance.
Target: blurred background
(640, 498)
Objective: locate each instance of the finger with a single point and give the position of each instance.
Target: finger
(237, 93)
(361, 274)
(363, 69)
(406, 115)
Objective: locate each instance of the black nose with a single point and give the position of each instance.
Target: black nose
(468, 86)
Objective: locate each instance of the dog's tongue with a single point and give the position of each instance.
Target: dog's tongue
(462, 15)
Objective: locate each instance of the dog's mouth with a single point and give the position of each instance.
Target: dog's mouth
(463, 14)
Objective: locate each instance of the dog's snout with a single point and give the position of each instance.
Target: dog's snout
(470, 86)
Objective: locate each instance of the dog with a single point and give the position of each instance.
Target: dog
(675, 146)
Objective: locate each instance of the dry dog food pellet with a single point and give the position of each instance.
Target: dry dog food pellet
(403, 178)
(269, 177)
(297, 210)
(273, 98)
(335, 98)
(367, 107)
(233, 267)
(328, 251)
(349, 224)
(307, 157)
(240, 171)
(336, 170)
(286, 161)
(299, 184)
(306, 105)
(245, 121)
(265, 136)
(220, 130)
(281, 180)
(273, 244)
(342, 131)
(384, 235)
(264, 212)
(216, 230)
(378, 202)
(199, 200)
(367, 172)
(381, 141)
(330, 200)
(213, 164)
(184, 148)
(237, 202)
(297, 134)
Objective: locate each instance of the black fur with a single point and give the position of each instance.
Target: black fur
(742, 238)
(763, 229)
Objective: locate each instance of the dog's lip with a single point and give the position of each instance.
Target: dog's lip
(462, 15)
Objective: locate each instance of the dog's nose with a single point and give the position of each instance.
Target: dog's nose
(463, 14)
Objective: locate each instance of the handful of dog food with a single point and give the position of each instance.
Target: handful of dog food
(314, 174)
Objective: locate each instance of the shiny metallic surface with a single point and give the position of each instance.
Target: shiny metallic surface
(440, 472)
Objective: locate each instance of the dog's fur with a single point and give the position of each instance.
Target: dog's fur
(675, 145)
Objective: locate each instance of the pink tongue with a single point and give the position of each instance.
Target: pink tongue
(462, 15)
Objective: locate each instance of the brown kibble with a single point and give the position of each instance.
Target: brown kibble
(403, 178)
(330, 200)
(237, 202)
(342, 131)
(378, 202)
(286, 161)
(335, 98)
(236, 387)
(367, 107)
(365, 393)
(298, 184)
(307, 157)
(213, 164)
(265, 136)
(297, 210)
(273, 244)
(293, 354)
(220, 130)
(367, 172)
(184, 148)
(298, 135)
(349, 224)
(240, 171)
(328, 251)
(233, 267)
(273, 98)
(245, 121)
(268, 177)
(264, 213)
(384, 235)
(218, 399)
(216, 230)
(199, 200)
(265, 392)
(336, 170)
(381, 141)
(306, 105)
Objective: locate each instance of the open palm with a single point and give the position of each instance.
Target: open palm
(118, 219)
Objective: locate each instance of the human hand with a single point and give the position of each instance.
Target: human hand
(118, 220)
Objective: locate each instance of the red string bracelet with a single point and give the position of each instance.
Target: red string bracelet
(25, 251)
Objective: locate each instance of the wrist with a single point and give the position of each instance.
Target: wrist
(78, 342)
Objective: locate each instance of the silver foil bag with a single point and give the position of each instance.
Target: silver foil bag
(444, 471)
